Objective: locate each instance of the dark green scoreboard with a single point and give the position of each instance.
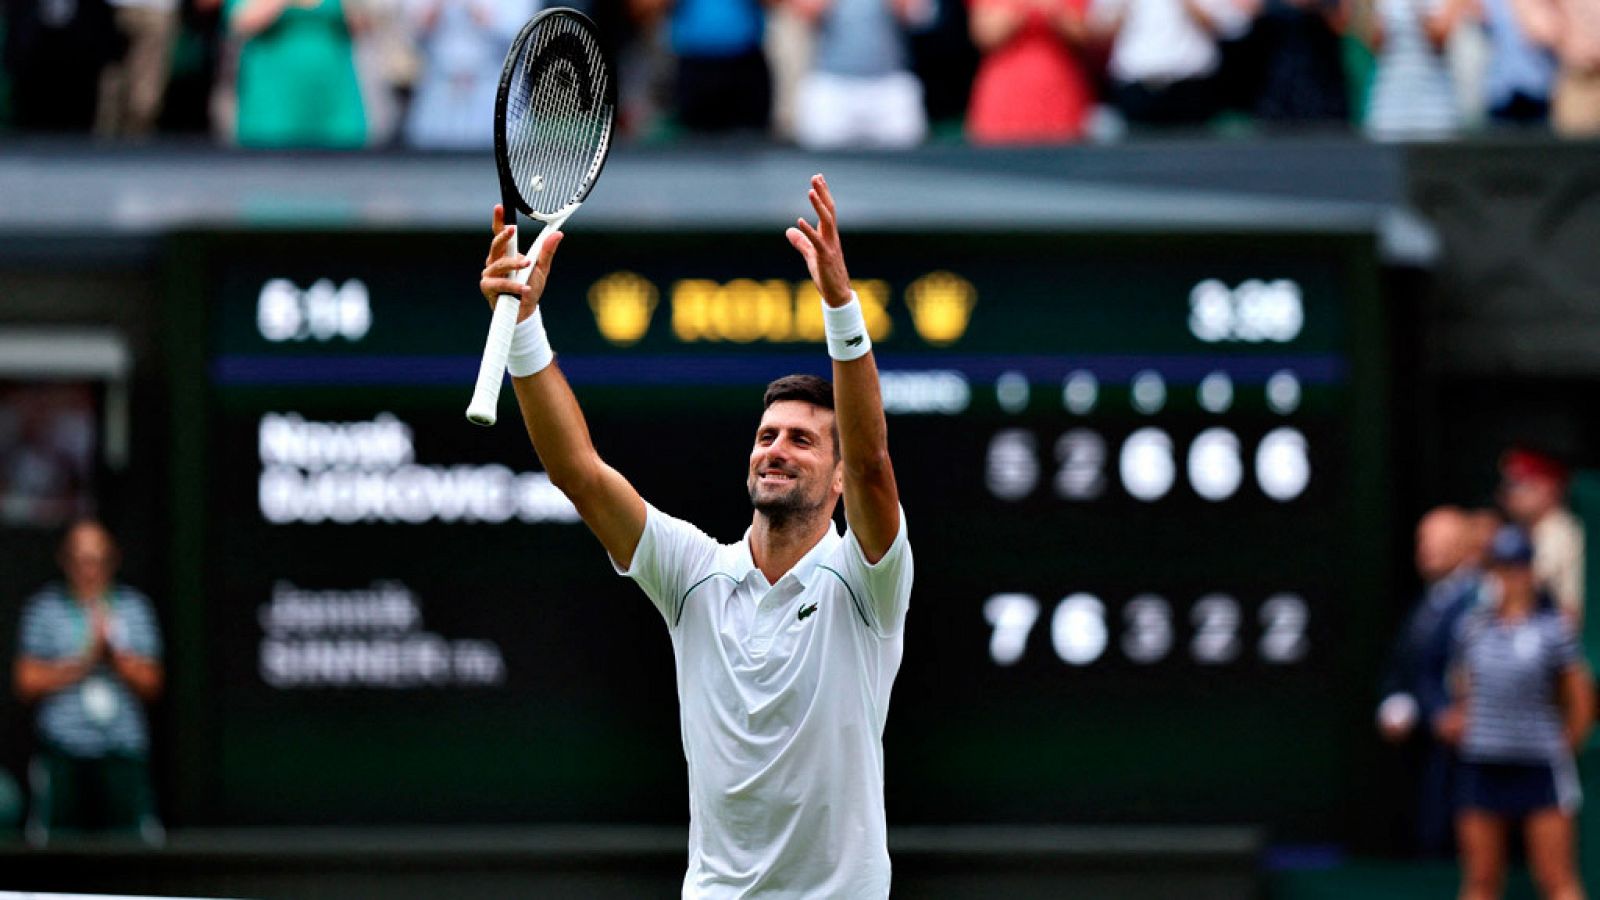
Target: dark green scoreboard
(1144, 477)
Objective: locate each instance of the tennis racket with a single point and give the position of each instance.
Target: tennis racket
(553, 119)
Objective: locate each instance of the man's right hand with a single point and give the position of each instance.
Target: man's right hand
(499, 269)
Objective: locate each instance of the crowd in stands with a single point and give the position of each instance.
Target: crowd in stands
(816, 72)
(819, 73)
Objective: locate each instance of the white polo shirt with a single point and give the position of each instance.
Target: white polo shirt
(783, 690)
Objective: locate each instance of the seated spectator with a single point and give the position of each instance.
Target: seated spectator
(1571, 28)
(297, 74)
(89, 656)
(1521, 73)
(860, 91)
(1416, 690)
(1296, 46)
(132, 87)
(463, 44)
(1533, 489)
(722, 83)
(1032, 86)
(1525, 706)
(1165, 56)
(1413, 94)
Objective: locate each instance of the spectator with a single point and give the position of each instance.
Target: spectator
(463, 44)
(723, 83)
(1526, 705)
(1032, 86)
(1521, 72)
(54, 52)
(860, 90)
(1571, 28)
(1533, 489)
(1165, 56)
(132, 87)
(1416, 691)
(1413, 95)
(89, 655)
(1301, 62)
(297, 74)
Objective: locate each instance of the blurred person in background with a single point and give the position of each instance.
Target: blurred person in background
(132, 87)
(1033, 85)
(1166, 54)
(89, 657)
(1570, 28)
(463, 44)
(297, 74)
(55, 51)
(860, 91)
(1533, 490)
(1482, 524)
(1297, 62)
(1413, 93)
(1525, 705)
(1415, 687)
(722, 82)
(1521, 72)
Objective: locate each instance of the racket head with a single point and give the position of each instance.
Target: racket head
(554, 114)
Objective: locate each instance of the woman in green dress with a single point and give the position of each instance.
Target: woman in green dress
(297, 74)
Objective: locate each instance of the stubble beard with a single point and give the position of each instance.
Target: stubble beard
(785, 509)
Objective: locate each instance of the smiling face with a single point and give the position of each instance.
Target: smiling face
(794, 465)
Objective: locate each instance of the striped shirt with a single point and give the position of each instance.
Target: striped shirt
(1513, 671)
(100, 715)
(1413, 96)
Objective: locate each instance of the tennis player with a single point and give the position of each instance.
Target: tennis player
(786, 641)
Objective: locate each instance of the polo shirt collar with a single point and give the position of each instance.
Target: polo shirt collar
(744, 564)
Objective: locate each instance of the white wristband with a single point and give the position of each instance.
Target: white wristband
(846, 330)
(530, 348)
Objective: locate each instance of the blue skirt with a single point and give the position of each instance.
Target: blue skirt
(1519, 789)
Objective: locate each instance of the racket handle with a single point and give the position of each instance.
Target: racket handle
(492, 372)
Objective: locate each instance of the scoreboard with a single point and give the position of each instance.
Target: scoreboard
(1143, 474)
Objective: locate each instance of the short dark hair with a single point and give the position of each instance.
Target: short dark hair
(806, 389)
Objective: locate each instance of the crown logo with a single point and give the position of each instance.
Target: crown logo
(941, 306)
(623, 303)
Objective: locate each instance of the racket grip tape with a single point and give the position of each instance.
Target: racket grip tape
(492, 372)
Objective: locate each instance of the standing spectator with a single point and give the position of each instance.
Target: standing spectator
(1533, 488)
(1521, 72)
(54, 52)
(297, 74)
(1413, 94)
(1032, 86)
(1165, 56)
(132, 88)
(1527, 705)
(89, 656)
(723, 83)
(1416, 691)
(860, 90)
(1571, 28)
(463, 44)
(1301, 59)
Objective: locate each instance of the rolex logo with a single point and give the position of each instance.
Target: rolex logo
(623, 303)
(941, 306)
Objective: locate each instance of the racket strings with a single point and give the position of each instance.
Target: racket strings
(558, 116)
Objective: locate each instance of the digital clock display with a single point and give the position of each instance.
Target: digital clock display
(1142, 476)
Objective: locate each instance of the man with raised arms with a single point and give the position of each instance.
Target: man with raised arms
(787, 641)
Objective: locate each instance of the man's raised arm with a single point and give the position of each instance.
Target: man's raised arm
(610, 506)
(871, 500)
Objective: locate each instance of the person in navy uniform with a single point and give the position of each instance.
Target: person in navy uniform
(1525, 704)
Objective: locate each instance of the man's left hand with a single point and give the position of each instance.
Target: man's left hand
(820, 245)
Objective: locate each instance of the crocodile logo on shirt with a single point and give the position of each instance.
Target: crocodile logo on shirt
(855, 341)
(807, 610)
